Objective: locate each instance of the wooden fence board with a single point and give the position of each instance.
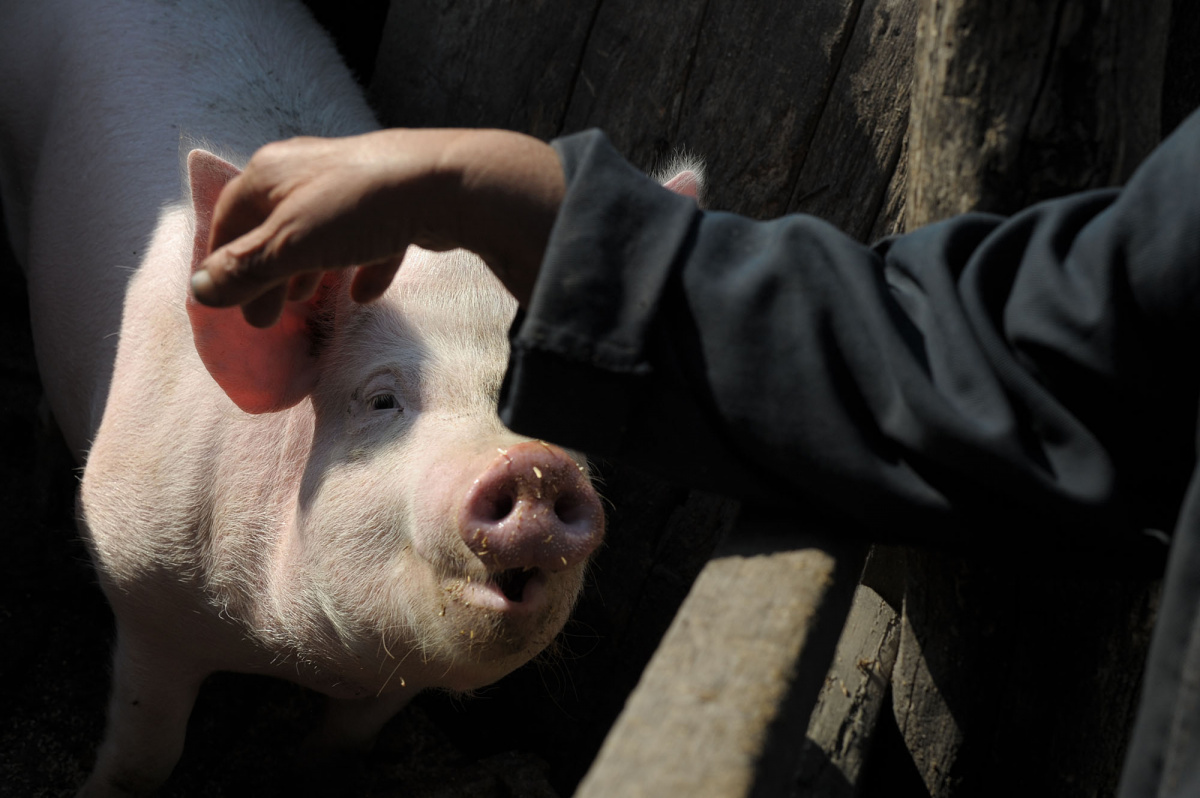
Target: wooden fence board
(721, 709)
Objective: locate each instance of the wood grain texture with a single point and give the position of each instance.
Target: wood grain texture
(780, 99)
(1017, 659)
(835, 751)
(1021, 101)
(481, 64)
(1005, 661)
(856, 147)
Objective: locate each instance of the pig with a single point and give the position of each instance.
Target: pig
(333, 500)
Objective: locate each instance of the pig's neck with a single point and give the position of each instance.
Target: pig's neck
(261, 468)
(219, 486)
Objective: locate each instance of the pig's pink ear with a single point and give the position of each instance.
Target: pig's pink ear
(686, 177)
(260, 370)
(685, 183)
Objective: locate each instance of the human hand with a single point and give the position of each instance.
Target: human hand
(309, 205)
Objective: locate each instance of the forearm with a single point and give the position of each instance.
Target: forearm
(507, 188)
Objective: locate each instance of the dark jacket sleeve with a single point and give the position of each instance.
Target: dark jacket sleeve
(1039, 370)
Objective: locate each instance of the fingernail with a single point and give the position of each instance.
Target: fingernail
(202, 284)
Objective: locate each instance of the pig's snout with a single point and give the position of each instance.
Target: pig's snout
(533, 507)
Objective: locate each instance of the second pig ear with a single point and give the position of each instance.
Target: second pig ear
(685, 176)
(260, 370)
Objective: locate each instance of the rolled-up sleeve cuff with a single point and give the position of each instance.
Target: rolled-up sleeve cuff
(578, 356)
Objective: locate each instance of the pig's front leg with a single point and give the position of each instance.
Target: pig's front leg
(333, 759)
(350, 726)
(152, 696)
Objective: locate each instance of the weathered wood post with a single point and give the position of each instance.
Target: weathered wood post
(1020, 101)
(1020, 675)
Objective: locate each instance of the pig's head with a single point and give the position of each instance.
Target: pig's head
(430, 546)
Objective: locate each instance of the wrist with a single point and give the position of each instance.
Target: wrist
(510, 187)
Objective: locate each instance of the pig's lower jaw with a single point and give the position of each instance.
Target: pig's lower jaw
(491, 633)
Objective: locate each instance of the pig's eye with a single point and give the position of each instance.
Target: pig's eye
(384, 401)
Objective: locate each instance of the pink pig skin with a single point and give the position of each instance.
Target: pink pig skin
(370, 529)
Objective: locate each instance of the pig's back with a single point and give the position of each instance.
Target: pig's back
(123, 89)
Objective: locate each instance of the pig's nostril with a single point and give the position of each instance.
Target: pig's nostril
(500, 507)
(571, 508)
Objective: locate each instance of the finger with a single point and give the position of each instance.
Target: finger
(280, 252)
(372, 280)
(303, 286)
(241, 270)
(208, 290)
(265, 310)
(240, 207)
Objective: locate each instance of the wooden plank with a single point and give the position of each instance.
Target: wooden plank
(857, 145)
(756, 89)
(1024, 658)
(1025, 100)
(722, 707)
(632, 74)
(696, 77)
(842, 724)
(1047, 673)
(481, 64)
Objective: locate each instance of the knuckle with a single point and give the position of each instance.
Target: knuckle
(269, 153)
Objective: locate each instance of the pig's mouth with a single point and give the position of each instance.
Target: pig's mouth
(510, 591)
(512, 582)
